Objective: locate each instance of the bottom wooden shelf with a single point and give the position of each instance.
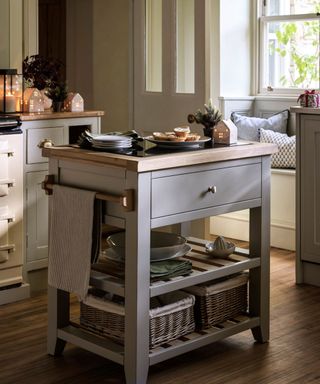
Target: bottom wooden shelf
(99, 345)
(115, 352)
(201, 338)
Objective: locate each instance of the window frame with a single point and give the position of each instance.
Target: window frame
(261, 50)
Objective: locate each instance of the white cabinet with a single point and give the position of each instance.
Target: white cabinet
(62, 130)
(36, 220)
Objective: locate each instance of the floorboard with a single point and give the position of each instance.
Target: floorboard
(291, 356)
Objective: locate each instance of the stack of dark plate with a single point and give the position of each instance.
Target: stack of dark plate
(165, 253)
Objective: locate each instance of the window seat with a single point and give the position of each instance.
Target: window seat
(283, 195)
(236, 225)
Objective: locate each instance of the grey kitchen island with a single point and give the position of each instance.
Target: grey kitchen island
(150, 192)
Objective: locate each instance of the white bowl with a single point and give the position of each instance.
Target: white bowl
(163, 245)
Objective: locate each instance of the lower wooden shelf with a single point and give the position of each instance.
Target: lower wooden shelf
(201, 338)
(99, 345)
(107, 348)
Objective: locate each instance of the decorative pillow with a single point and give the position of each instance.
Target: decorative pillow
(286, 157)
(248, 127)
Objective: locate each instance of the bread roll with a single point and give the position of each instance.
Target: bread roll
(182, 131)
(193, 137)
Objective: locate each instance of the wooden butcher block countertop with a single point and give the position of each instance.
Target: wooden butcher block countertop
(58, 115)
(163, 161)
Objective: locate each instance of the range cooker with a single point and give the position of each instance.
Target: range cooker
(11, 202)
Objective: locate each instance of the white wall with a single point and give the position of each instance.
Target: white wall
(235, 48)
(231, 47)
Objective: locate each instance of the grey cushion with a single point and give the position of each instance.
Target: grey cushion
(286, 155)
(249, 127)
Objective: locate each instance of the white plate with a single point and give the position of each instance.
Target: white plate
(178, 144)
(111, 143)
(112, 146)
(112, 255)
(108, 138)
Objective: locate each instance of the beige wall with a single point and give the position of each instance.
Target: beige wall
(98, 57)
(79, 48)
(4, 34)
(11, 32)
(111, 62)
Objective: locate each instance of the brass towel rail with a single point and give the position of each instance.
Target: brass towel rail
(126, 200)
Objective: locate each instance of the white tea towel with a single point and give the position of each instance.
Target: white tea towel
(70, 240)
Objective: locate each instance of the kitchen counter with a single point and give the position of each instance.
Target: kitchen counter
(171, 160)
(58, 115)
(167, 189)
(305, 110)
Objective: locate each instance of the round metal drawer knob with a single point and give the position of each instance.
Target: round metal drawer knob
(46, 143)
(212, 189)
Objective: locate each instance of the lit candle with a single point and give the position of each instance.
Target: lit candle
(10, 102)
(19, 104)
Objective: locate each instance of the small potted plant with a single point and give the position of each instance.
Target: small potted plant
(57, 92)
(209, 118)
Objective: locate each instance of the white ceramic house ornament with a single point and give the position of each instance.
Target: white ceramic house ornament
(74, 103)
(225, 132)
(33, 100)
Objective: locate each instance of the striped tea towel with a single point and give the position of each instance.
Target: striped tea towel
(70, 242)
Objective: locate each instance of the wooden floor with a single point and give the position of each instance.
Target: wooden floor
(291, 356)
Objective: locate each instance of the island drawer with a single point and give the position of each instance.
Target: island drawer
(179, 193)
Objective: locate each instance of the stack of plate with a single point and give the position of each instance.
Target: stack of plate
(111, 142)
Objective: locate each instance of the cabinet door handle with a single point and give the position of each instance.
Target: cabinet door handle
(3, 248)
(46, 143)
(9, 219)
(7, 152)
(9, 183)
(212, 189)
(8, 247)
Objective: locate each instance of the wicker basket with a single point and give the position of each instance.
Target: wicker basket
(219, 300)
(171, 316)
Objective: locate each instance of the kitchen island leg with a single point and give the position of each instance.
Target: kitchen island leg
(259, 295)
(137, 283)
(58, 317)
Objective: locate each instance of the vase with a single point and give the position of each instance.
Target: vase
(57, 106)
(208, 130)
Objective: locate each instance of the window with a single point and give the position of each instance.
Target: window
(289, 46)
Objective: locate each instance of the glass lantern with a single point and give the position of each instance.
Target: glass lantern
(11, 91)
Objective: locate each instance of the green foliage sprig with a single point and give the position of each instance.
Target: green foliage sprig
(58, 91)
(209, 118)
